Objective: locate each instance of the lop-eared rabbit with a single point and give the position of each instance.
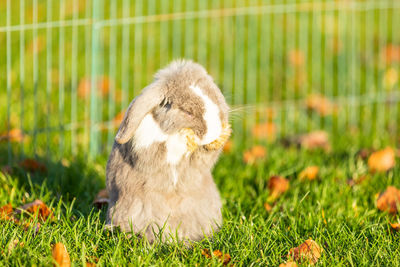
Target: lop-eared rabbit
(159, 171)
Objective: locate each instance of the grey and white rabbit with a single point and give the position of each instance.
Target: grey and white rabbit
(159, 170)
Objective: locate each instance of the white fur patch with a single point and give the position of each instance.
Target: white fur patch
(148, 133)
(211, 117)
(176, 148)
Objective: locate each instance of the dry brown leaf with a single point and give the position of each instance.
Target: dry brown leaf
(389, 200)
(101, 199)
(321, 105)
(395, 226)
(314, 140)
(309, 173)
(382, 160)
(90, 264)
(14, 135)
(60, 255)
(252, 155)
(265, 130)
(32, 165)
(277, 185)
(296, 57)
(38, 207)
(308, 252)
(288, 264)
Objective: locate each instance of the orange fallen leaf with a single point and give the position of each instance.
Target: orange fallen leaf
(288, 264)
(90, 264)
(225, 258)
(296, 57)
(389, 200)
(267, 207)
(102, 86)
(60, 255)
(264, 131)
(309, 252)
(395, 226)
(14, 135)
(277, 185)
(314, 140)
(382, 160)
(37, 207)
(309, 173)
(391, 53)
(320, 104)
(252, 155)
(101, 199)
(228, 146)
(32, 165)
(6, 211)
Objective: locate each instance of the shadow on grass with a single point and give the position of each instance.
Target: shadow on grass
(74, 180)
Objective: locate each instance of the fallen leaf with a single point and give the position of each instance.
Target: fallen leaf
(60, 255)
(355, 181)
(390, 78)
(37, 45)
(320, 104)
(225, 258)
(6, 211)
(277, 185)
(391, 53)
(308, 252)
(32, 165)
(264, 131)
(14, 243)
(296, 57)
(382, 160)
(228, 146)
(389, 200)
(101, 199)
(102, 86)
(267, 206)
(90, 264)
(14, 135)
(252, 155)
(395, 226)
(288, 264)
(314, 140)
(38, 207)
(309, 173)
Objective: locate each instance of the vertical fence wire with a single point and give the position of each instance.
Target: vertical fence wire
(343, 51)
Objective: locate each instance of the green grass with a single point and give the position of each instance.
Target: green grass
(355, 232)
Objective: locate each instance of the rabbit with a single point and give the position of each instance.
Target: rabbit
(159, 170)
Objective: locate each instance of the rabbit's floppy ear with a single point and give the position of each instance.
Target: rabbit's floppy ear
(150, 97)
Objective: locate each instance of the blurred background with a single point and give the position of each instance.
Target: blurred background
(69, 68)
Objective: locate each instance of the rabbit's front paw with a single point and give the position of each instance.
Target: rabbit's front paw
(221, 140)
(190, 139)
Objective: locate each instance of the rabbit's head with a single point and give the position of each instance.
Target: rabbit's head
(181, 96)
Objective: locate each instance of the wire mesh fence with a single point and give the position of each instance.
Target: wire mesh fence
(70, 68)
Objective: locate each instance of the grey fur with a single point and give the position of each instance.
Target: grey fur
(139, 180)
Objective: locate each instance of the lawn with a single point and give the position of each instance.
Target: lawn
(341, 217)
(70, 68)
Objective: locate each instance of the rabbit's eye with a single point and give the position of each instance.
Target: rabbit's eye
(166, 104)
